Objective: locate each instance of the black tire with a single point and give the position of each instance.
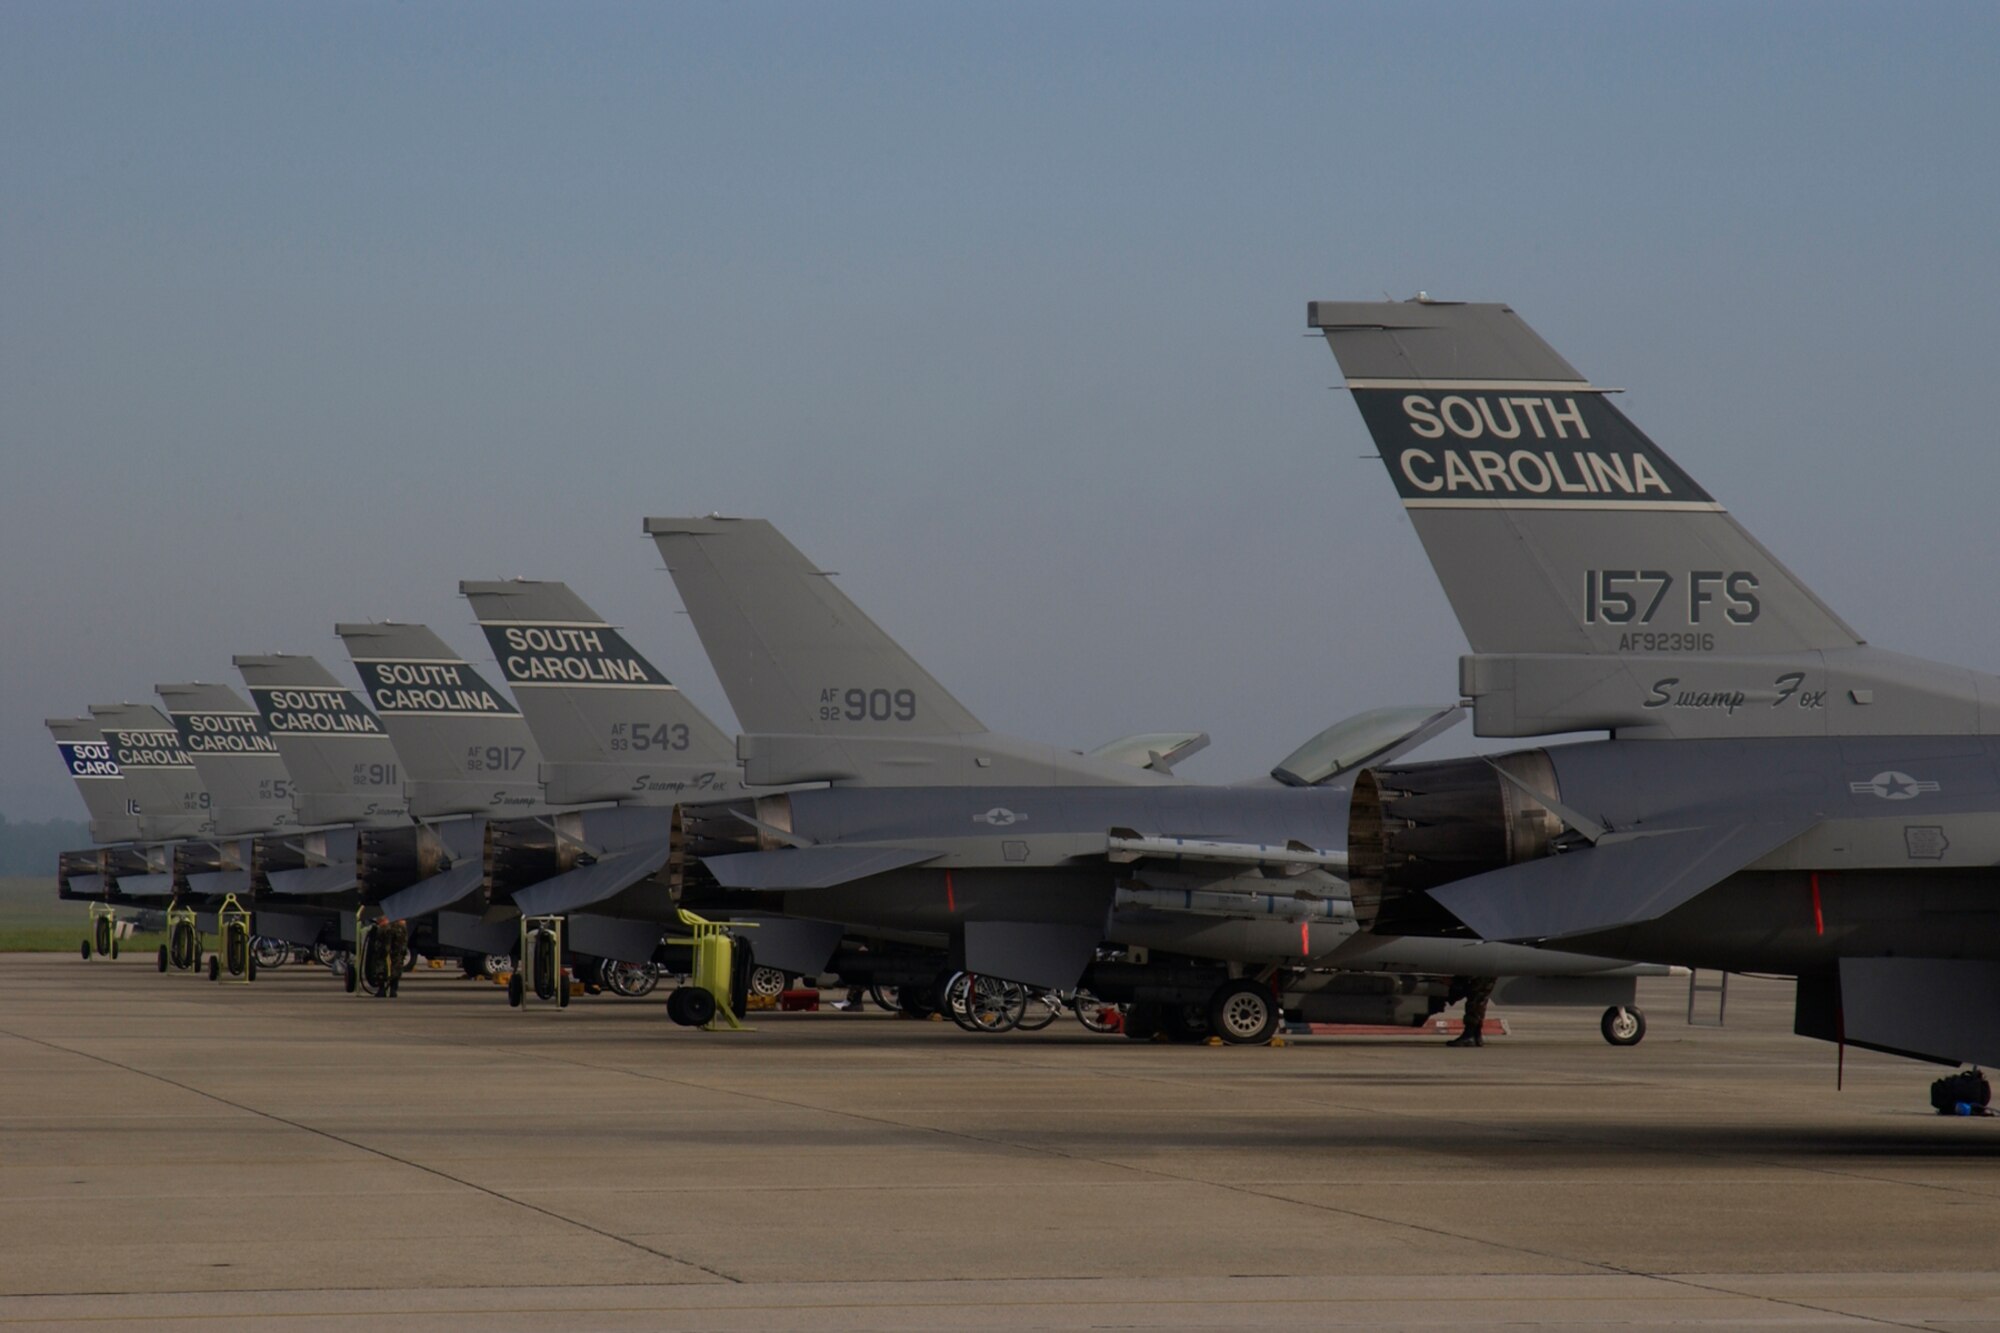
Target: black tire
(1038, 1013)
(86, 951)
(471, 966)
(517, 991)
(918, 1001)
(251, 970)
(742, 962)
(885, 997)
(562, 990)
(114, 949)
(543, 965)
(163, 958)
(698, 1007)
(1623, 1025)
(215, 967)
(1142, 1020)
(1244, 1013)
(1188, 1022)
(677, 1005)
(350, 980)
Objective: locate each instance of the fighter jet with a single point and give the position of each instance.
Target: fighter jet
(1027, 857)
(1775, 795)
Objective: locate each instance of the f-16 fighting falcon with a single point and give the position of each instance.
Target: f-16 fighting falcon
(1027, 857)
(1775, 795)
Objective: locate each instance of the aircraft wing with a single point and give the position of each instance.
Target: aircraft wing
(591, 884)
(1620, 880)
(428, 895)
(817, 867)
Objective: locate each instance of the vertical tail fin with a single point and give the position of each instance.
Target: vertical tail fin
(158, 773)
(344, 769)
(234, 756)
(114, 813)
(793, 653)
(1597, 583)
(611, 727)
(464, 747)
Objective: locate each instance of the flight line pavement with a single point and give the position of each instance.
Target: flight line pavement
(177, 1151)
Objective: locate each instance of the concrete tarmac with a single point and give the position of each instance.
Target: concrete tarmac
(173, 1150)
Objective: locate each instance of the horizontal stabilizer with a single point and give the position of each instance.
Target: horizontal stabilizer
(439, 891)
(311, 881)
(594, 883)
(1374, 737)
(1624, 879)
(208, 883)
(810, 867)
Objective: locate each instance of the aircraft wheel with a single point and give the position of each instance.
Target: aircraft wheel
(163, 958)
(215, 967)
(1188, 1022)
(768, 982)
(350, 979)
(1142, 1020)
(517, 991)
(1623, 1025)
(471, 967)
(86, 951)
(1095, 1014)
(916, 1001)
(885, 997)
(698, 1007)
(1243, 1013)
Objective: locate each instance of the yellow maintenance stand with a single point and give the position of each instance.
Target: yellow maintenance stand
(234, 961)
(709, 1000)
(103, 932)
(183, 949)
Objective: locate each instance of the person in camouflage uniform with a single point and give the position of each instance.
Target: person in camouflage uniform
(398, 936)
(1475, 991)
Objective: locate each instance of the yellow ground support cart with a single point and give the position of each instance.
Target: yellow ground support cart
(721, 967)
(234, 961)
(184, 947)
(540, 972)
(103, 935)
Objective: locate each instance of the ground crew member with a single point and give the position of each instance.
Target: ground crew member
(1475, 991)
(399, 946)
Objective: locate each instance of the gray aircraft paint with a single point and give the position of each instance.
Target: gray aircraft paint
(235, 757)
(464, 746)
(158, 774)
(1778, 795)
(114, 813)
(610, 725)
(344, 768)
(1599, 586)
(822, 693)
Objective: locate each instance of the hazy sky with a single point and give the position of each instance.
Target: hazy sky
(308, 312)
